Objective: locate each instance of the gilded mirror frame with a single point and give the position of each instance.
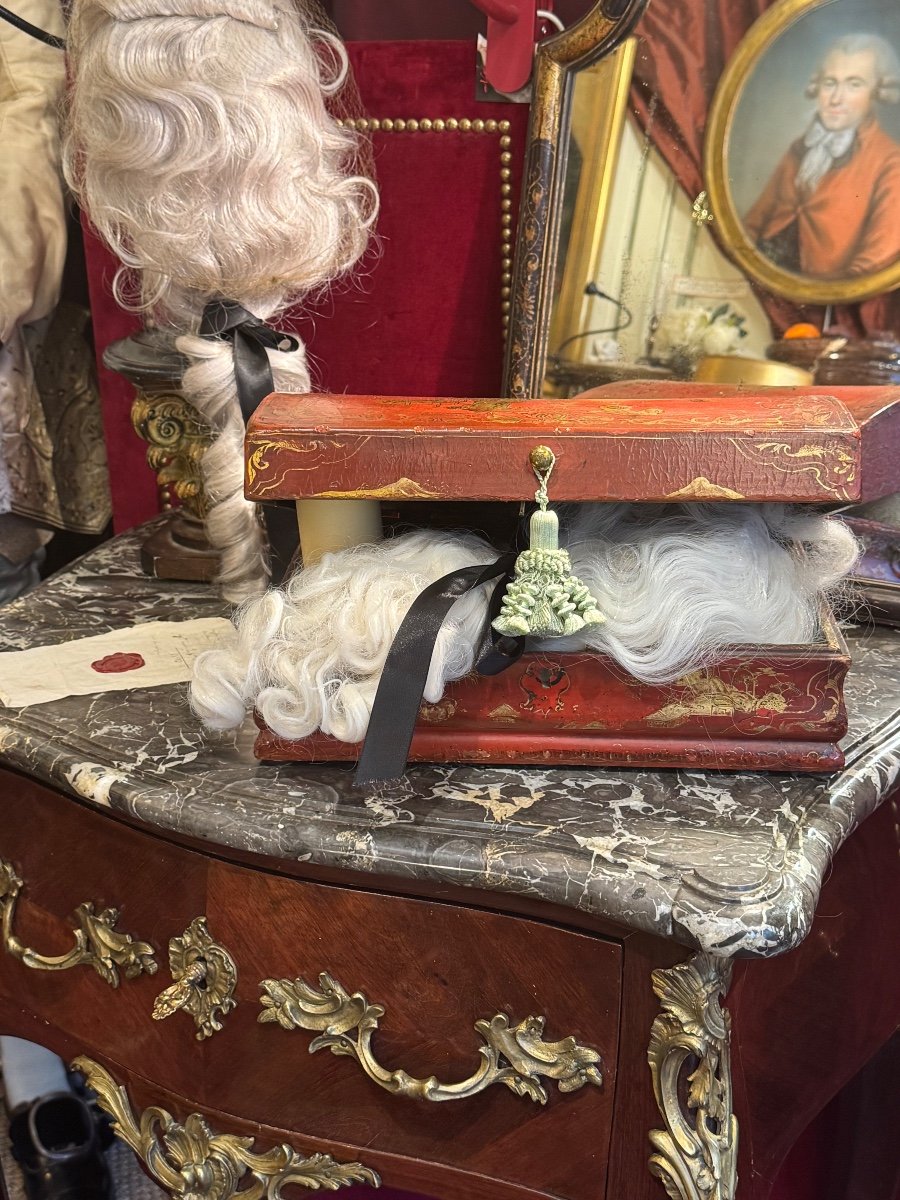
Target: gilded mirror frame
(804, 289)
(598, 140)
(557, 59)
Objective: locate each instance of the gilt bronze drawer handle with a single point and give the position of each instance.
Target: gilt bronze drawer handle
(205, 978)
(98, 943)
(516, 1057)
(190, 1162)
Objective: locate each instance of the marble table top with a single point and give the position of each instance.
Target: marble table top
(731, 863)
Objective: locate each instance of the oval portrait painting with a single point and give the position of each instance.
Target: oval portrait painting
(802, 150)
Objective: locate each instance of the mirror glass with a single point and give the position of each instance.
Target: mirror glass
(638, 270)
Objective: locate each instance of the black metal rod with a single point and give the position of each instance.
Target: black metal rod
(49, 39)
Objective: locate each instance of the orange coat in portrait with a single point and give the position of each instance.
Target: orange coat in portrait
(850, 223)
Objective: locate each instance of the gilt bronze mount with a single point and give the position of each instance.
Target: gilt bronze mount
(695, 1156)
(98, 943)
(516, 1056)
(191, 1162)
(205, 978)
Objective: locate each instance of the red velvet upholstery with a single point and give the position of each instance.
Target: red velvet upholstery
(422, 316)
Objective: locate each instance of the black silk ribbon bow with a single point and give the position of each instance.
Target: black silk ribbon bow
(251, 338)
(402, 682)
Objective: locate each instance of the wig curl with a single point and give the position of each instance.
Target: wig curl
(200, 145)
(309, 656)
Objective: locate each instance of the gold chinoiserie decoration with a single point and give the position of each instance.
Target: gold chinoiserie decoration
(696, 1154)
(517, 1057)
(205, 978)
(98, 943)
(192, 1163)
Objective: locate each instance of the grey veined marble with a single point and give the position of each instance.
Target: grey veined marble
(731, 863)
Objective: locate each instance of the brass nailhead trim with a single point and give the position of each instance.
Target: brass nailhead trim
(451, 125)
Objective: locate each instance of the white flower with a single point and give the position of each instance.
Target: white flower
(680, 331)
(720, 338)
(692, 331)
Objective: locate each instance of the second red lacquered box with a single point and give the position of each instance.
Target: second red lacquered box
(763, 708)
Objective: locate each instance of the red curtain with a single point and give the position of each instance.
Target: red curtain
(685, 45)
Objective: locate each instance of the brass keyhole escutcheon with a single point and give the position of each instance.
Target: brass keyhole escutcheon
(205, 978)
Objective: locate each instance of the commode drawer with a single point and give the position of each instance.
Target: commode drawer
(67, 857)
(435, 970)
(390, 989)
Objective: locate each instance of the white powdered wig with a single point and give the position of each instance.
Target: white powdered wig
(200, 146)
(309, 656)
(679, 584)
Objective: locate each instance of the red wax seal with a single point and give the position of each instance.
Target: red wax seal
(115, 664)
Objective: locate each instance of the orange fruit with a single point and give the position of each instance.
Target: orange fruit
(802, 330)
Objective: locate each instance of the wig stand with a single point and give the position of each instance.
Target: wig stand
(179, 549)
(176, 437)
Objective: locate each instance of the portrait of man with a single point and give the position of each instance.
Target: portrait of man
(831, 208)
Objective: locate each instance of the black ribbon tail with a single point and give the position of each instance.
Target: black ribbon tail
(284, 540)
(399, 695)
(251, 338)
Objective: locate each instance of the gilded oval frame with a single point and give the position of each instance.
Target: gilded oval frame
(806, 289)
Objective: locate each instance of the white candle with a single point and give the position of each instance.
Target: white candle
(327, 525)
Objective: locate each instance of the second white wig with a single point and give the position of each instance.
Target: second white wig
(680, 586)
(200, 145)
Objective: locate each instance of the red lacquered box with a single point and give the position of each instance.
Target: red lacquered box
(763, 708)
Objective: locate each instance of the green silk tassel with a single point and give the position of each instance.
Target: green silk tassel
(545, 599)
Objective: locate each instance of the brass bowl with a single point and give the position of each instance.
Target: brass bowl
(755, 372)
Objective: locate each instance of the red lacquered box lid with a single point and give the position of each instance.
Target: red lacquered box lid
(650, 442)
